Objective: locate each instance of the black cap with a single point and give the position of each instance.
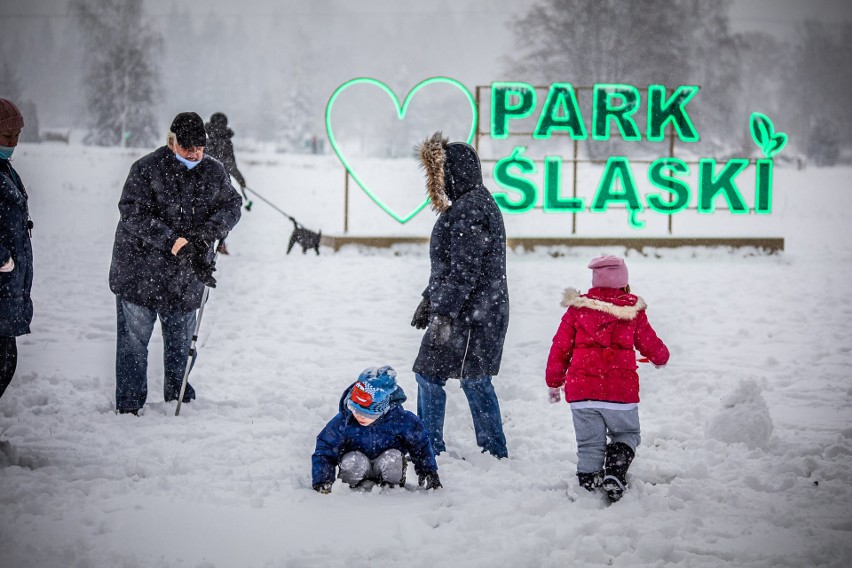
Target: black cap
(189, 130)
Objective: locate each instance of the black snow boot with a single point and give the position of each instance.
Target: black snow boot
(591, 481)
(618, 458)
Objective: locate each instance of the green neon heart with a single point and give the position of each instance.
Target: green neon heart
(400, 110)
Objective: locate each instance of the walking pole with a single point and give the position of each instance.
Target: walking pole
(190, 359)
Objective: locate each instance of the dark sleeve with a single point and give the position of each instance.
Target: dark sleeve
(230, 163)
(418, 445)
(226, 212)
(327, 453)
(468, 243)
(137, 210)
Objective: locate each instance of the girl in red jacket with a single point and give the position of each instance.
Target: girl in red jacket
(593, 359)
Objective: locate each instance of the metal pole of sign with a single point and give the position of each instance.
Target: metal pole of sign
(478, 111)
(574, 192)
(346, 202)
(671, 155)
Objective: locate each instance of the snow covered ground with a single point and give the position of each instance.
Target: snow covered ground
(746, 457)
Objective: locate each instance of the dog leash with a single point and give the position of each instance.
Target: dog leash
(265, 200)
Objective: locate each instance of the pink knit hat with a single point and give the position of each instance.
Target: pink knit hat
(608, 272)
(10, 116)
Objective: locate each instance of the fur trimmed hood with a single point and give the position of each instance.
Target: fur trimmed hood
(624, 310)
(452, 169)
(433, 156)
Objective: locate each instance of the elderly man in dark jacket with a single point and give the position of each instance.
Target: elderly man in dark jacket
(176, 202)
(16, 252)
(466, 305)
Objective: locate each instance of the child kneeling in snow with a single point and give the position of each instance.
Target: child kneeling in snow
(371, 437)
(593, 359)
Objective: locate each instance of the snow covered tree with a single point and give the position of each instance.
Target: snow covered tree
(10, 83)
(10, 88)
(599, 41)
(122, 78)
(181, 81)
(641, 42)
(297, 121)
(823, 79)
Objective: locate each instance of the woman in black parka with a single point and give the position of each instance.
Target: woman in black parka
(466, 305)
(16, 252)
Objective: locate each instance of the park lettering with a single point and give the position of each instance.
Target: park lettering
(618, 105)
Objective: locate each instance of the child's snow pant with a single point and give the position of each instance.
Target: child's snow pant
(591, 427)
(389, 467)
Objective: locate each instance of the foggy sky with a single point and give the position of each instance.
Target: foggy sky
(264, 42)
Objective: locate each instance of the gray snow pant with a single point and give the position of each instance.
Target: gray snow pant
(355, 467)
(591, 427)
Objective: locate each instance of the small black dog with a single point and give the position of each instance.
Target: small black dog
(305, 237)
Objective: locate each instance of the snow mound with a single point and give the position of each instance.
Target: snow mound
(744, 418)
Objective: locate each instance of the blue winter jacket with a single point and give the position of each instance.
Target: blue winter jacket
(395, 429)
(16, 306)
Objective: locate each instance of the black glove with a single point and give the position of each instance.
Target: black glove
(440, 329)
(421, 314)
(189, 255)
(323, 488)
(186, 254)
(201, 244)
(429, 481)
(204, 271)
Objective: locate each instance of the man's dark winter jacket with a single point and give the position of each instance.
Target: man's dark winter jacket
(468, 261)
(163, 200)
(395, 429)
(16, 307)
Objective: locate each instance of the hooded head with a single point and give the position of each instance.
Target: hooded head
(452, 169)
(218, 126)
(371, 394)
(218, 120)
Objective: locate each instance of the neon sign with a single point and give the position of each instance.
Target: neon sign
(615, 111)
(401, 109)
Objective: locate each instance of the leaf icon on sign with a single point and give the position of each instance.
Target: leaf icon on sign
(764, 135)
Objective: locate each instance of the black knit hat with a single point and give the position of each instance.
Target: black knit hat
(188, 127)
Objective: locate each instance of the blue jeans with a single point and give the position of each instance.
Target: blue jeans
(484, 408)
(135, 325)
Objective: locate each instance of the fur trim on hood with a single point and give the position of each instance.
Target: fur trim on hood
(433, 157)
(572, 298)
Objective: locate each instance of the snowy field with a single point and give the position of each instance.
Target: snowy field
(746, 456)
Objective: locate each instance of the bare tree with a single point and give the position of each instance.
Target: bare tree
(640, 42)
(821, 97)
(122, 79)
(599, 41)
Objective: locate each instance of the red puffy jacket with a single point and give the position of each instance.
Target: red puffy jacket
(593, 350)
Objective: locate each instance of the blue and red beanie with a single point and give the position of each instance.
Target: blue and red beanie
(372, 392)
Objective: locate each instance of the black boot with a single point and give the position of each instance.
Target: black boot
(618, 458)
(590, 481)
